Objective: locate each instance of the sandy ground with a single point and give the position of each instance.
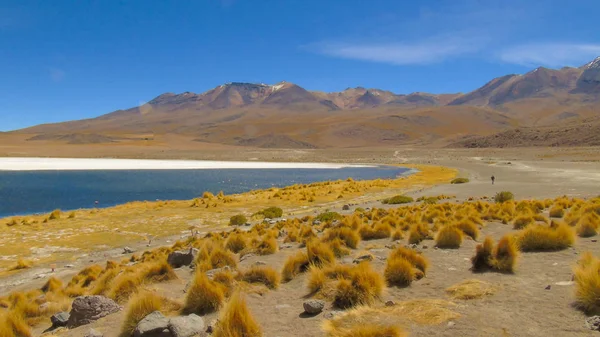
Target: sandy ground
(522, 307)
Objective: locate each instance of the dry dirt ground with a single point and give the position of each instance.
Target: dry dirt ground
(535, 301)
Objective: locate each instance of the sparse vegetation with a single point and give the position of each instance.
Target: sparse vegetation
(471, 289)
(204, 296)
(398, 199)
(504, 196)
(235, 320)
(542, 238)
(328, 216)
(140, 305)
(459, 181)
(265, 275)
(237, 220)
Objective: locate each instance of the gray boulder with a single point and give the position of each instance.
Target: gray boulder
(93, 333)
(86, 309)
(127, 250)
(313, 306)
(60, 319)
(153, 325)
(345, 207)
(180, 258)
(186, 326)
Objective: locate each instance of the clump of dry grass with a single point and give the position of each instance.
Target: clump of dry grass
(257, 274)
(542, 238)
(398, 235)
(369, 330)
(587, 283)
(399, 272)
(268, 246)
(204, 296)
(469, 228)
(52, 285)
(471, 289)
(22, 264)
(418, 232)
(346, 234)
(522, 221)
(319, 253)
(140, 305)
(376, 231)
(501, 258)
(13, 325)
(587, 225)
(557, 211)
(338, 247)
(220, 258)
(449, 236)
(415, 258)
(236, 242)
(235, 320)
(295, 265)
(365, 285)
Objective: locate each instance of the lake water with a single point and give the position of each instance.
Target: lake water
(27, 192)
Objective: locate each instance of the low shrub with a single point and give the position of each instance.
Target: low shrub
(235, 320)
(328, 216)
(237, 220)
(398, 199)
(459, 181)
(399, 272)
(449, 237)
(504, 196)
(364, 286)
(271, 212)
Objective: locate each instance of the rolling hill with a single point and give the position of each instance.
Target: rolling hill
(511, 110)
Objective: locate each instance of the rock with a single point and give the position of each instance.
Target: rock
(548, 287)
(565, 283)
(86, 309)
(127, 250)
(424, 247)
(247, 224)
(284, 246)
(69, 266)
(153, 325)
(594, 240)
(451, 324)
(390, 303)
(593, 323)
(180, 258)
(259, 263)
(93, 333)
(186, 326)
(60, 319)
(272, 222)
(313, 306)
(316, 222)
(363, 258)
(345, 207)
(44, 306)
(390, 246)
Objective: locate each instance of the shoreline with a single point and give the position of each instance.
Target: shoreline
(89, 164)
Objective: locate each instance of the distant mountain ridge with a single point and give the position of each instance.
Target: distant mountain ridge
(287, 115)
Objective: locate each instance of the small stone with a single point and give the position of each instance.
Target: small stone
(286, 246)
(451, 324)
(331, 314)
(594, 240)
(247, 224)
(316, 222)
(548, 287)
(127, 250)
(260, 263)
(245, 257)
(210, 328)
(345, 207)
(282, 306)
(390, 303)
(93, 333)
(424, 247)
(362, 258)
(313, 306)
(452, 269)
(565, 283)
(60, 319)
(69, 266)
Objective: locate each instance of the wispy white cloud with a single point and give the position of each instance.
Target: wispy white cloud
(551, 54)
(56, 74)
(401, 53)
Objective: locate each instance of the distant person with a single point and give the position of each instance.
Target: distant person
(493, 179)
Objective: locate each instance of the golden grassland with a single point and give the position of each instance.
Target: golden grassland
(61, 236)
(355, 288)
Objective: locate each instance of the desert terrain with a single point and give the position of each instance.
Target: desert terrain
(538, 297)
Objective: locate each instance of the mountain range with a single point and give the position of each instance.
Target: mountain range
(544, 107)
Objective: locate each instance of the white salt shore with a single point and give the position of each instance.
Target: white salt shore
(43, 164)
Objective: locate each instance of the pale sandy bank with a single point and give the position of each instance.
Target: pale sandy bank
(39, 164)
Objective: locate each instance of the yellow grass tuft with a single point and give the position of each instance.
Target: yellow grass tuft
(346, 234)
(294, 265)
(587, 225)
(522, 221)
(236, 242)
(369, 330)
(204, 296)
(52, 285)
(469, 228)
(506, 255)
(399, 272)
(587, 283)
(542, 238)
(449, 236)
(375, 231)
(364, 287)
(557, 211)
(13, 325)
(471, 289)
(22, 264)
(483, 255)
(398, 235)
(415, 258)
(418, 232)
(268, 246)
(319, 253)
(235, 320)
(339, 248)
(140, 305)
(257, 274)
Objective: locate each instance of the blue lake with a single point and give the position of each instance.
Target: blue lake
(27, 192)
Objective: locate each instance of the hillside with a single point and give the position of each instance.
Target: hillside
(285, 115)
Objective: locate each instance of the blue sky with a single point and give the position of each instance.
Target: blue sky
(63, 60)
